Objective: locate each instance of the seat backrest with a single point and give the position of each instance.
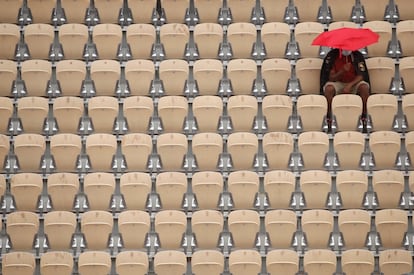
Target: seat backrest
(140, 75)
(208, 73)
(18, 262)
(99, 188)
(207, 111)
(241, 10)
(101, 149)
(205, 262)
(174, 38)
(142, 11)
(65, 149)
(281, 226)
(103, 112)
(135, 187)
(9, 37)
(395, 261)
(347, 108)
(134, 225)
(22, 227)
(305, 33)
(388, 186)
(384, 30)
(4, 150)
(207, 148)
(105, 74)
(108, 11)
(75, 10)
(244, 262)
(243, 186)
(41, 11)
(242, 147)
(313, 147)
(175, 12)
(131, 262)
(32, 112)
(207, 10)
(96, 227)
(341, 10)
(352, 185)
(381, 72)
(319, 262)
(315, 186)
(342, 23)
(171, 188)
(6, 112)
(8, 74)
(52, 262)
(11, 14)
(107, 38)
(274, 10)
(138, 106)
(173, 74)
(317, 224)
(36, 74)
(408, 108)
(207, 225)
(39, 38)
(279, 185)
(355, 261)
(73, 37)
(278, 147)
(141, 38)
(207, 187)
(404, 33)
(62, 189)
(136, 149)
(391, 225)
(308, 12)
(94, 262)
(409, 144)
(170, 262)
(354, 225)
(173, 112)
(282, 261)
(172, 148)
(374, 11)
(29, 150)
(308, 72)
(59, 228)
(208, 37)
(385, 147)
(26, 189)
(276, 73)
(349, 147)
(242, 37)
(68, 111)
(244, 226)
(242, 73)
(170, 225)
(277, 110)
(70, 74)
(382, 109)
(242, 110)
(312, 110)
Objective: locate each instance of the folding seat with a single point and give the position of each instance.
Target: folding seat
(404, 32)
(39, 39)
(141, 39)
(107, 38)
(206, 262)
(279, 186)
(108, 11)
(99, 188)
(385, 148)
(274, 10)
(312, 110)
(208, 38)
(8, 74)
(56, 261)
(135, 188)
(105, 75)
(207, 226)
(208, 74)
(4, 150)
(65, 149)
(317, 225)
(140, 75)
(408, 108)
(308, 72)
(6, 113)
(133, 226)
(207, 187)
(173, 112)
(142, 11)
(207, 111)
(405, 10)
(11, 14)
(242, 38)
(347, 109)
(36, 74)
(96, 227)
(381, 72)
(313, 147)
(347, 15)
(207, 149)
(41, 11)
(62, 189)
(60, 227)
(175, 12)
(374, 10)
(391, 226)
(244, 226)
(73, 37)
(278, 147)
(171, 188)
(308, 12)
(242, 110)
(282, 261)
(341, 10)
(409, 146)
(32, 112)
(136, 149)
(170, 226)
(281, 226)
(131, 262)
(208, 11)
(305, 33)
(245, 262)
(242, 74)
(354, 226)
(277, 110)
(276, 73)
(395, 261)
(357, 261)
(243, 186)
(26, 189)
(172, 149)
(22, 229)
(384, 30)
(138, 106)
(75, 11)
(68, 112)
(9, 38)
(170, 262)
(19, 262)
(174, 74)
(388, 186)
(382, 109)
(29, 150)
(241, 10)
(101, 149)
(320, 262)
(70, 74)
(94, 263)
(242, 147)
(103, 112)
(349, 147)
(351, 185)
(174, 38)
(316, 186)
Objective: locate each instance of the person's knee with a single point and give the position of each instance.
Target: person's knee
(363, 90)
(329, 90)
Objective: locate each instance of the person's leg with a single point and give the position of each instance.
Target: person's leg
(363, 91)
(329, 91)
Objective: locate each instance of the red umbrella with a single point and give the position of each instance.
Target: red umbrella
(351, 39)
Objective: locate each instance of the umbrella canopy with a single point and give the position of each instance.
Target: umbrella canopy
(351, 39)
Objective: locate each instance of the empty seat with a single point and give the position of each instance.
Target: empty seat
(39, 39)
(278, 147)
(134, 188)
(173, 74)
(317, 225)
(26, 189)
(32, 112)
(243, 186)
(4, 150)
(138, 106)
(99, 188)
(351, 185)
(342, 23)
(385, 148)
(312, 110)
(313, 147)
(242, 147)
(391, 225)
(319, 261)
(279, 185)
(208, 38)
(140, 75)
(277, 109)
(354, 226)
(73, 37)
(12, 13)
(36, 74)
(395, 261)
(170, 226)
(274, 10)
(65, 150)
(6, 112)
(60, 227)
(96, 226)
(308, 12)
(308, 72)
(349, 147)
(75, 11)
(341, 10)
(94, 263)
(101, 149)
(404, 32)
(207, 10)
(41, 11)
(207, 111)
(174, 38)
(409, 144)
(388, 186)
(29, 150)
(242, 110)
(382, 109)
(172, 148)
(408, 108)
(103, 112)
(68, 112)
(136, 149)
(347, 108)
(9, 38)
(282, 261)
(242, 74)
(133, 226)
(241, 10)
(8, 74)
(244, 226)
(381, 73)
(107, 38)
(206, 262)
(141, 39)
(62, 189)
(207, 226)
(357, 261)
(406, 68)
(384, 30)
(105, 75)
(108, 11)
(19, 262)
(207, 187)
(276, 74)
(22, 229)
(242, 38)
(207, 149)
(142, 11)
(56, 261)
(131, 262)
(244, 262)
(170, 262)
(70, 74)
(173, 111)
(281, 226)
(316, 187)
(171, 188)
(374, 11)
(175, 12)
(208, 74)
(305, 33)
(404, 9)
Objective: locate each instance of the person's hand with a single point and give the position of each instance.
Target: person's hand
(347, 67)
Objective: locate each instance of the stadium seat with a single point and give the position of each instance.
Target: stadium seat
(308, 72)
(243, 186)
(384, 30)
(404, 32)
(244, 262)
(319, 261)
(41, 11)
(207, 226)
(278, 147)
(173, 112)
(406, 67)
(408, 108)
(281, 226)
(208, 38)
(105, 75)
(347, 109)
(56, 261)
(349, 147)
(73, 37)
(29, 150)
(174, 38)
(279, 186)
(107, 38)
(32, 112)
(99, 188)
(207, 149)
(6, 113)
(242, 147)
(208, 74)
(207, 112)
(138, 106)
(39, 39)
(342, 23)
(65, 148)
(241, 10)
(305, 33)
(131, 262)
(244, 226)
(277, 110)
(175, 12)
(388, 186)
(60, 227)
(308, 12)
(357, 261)
(171, 188)
(101, 149)
(140, 75)
(409, 146)
(405, 10)
(208, 11)
(312, 109)
(242, 110)
(282, 261)
(9, 38)
(133, 226)
(68, 112)
(8, 75)
(351, 185)
(392, 261)
(70, 75)
(136, 149)
(382, 109)
(391, 226)
(374, 11)
(170, 226)
(341, 10)
(108, 11)
(141, 39)
(18, 262)
(103, 112)
(94, 262)
(75, 11)
(170, 262)
(316, 186)
(276, 73)
(206, 262)
(36, 74)
(385, 148)
(62, 189)
(317, 225)
(135, 188)
(12, 13)
(381, 73)
(22, 229)
(274, 10)
(142, 11)
(26, 189)
(354, 226)
(242, 74)
(4, 150)
(174, 74)
(172, 149)
(207, 187)
(313, 147)
(242, 38)
(96, 227)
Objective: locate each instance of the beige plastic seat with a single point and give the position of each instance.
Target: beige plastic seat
(207, 186)
(280, 225)
(207, 111)
(96, 227)
(174, 37)
(409, 144)
(242, 110)
(59, 228)
(108, 10)
(395, 261)
(22, 228)
(315, 186)
(73, 37)
(341, 10)
(101, 149)
(405, 9)
(142, 10)
(9, 38)
(319, 262)
(308, 12)
(242, 73)
(243, 186)
(308, 72)
(207, 226)
(244, 262)
(242, 37)
(317, 224)
(354, 225)
(133, 226)
(404, 31)
(241, 10)
(312, 109)
(138, 106)
(279, 185)
(70, 74)
(172, 148)
(6, 112)
(29, 150)
(347, 15)
(99, 188)
(94, 263)
(175, 12)
(244, 226)
(206, 262)
(141, 38)
(208, 73)
(207, 148)
(282, 261)
(26, 189)
(103, 112)
(208, 37)
(107, 38)
(305, 33)
(8, 74)
(391, 225)
(75, 10)
(385, 147)
(382, 109)
(105, 74)
(68, 111)
(384, 30)
(136, 149)
(56, 261)
(4, 149)
(349, 147)
(140, 74)
(131, 262)
(277, 110)
(174, 74)
(207, 10)
(408, 108)
(357, 261)
(18, 263)
(313, 147)
(32, 112)
(173, 111)
(171, 188)
(65, 149)
(62, 189)
(169, 262)
(242, 147)
(41, 11)
(36, 73)
(374, 10)
(352, 185)
(381, 72)
(11, 14)
(406, 68)
(39, 38)
(347, 108)
(135, 187)
(274, 10)
(278, 147)
(388, 186)
(170, 225)
(276, 73)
